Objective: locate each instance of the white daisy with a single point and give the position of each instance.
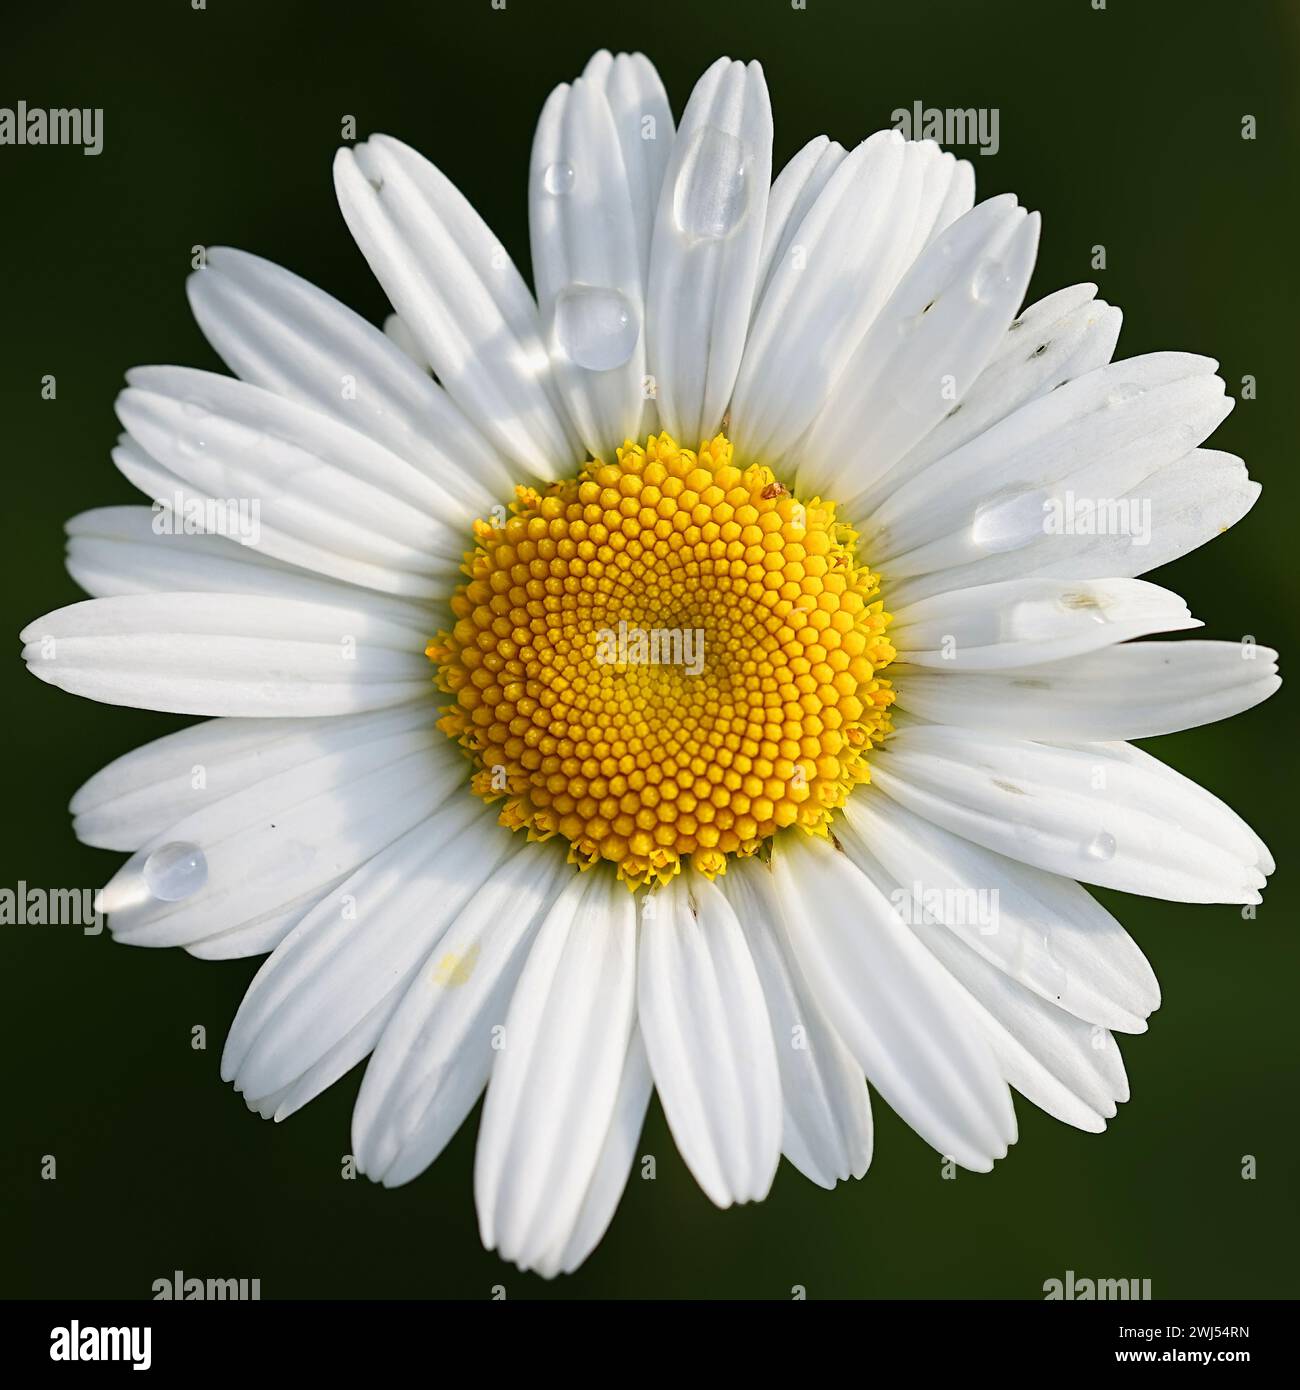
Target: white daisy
(835, 769)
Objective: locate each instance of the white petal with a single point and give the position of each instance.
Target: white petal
(1137, 690)
(1024, 621)
(1082, 812)
(136, 550)
(844, 260)
(794, 190)
(1095, 438)
(709, 1040)
(1066, 335)
(460, 294)
(1177, 508)
(327, 497)
(923, 352)
(616, 1156)
(586, 265)
(319, 1003)
(1045, 932)
(275, 847)
(556, 1081)
(141, 794)
(433, 1060)
(227, 654)
(644, 122)
(276, 330)
(397, 333)
(826, 1131)
(1201, 807)
(958, 194)
(901, 1016)
(1069, 1068)
(707, 240)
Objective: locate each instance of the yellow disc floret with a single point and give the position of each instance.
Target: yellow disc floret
(666, 660)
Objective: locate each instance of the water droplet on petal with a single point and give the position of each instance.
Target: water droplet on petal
(1101, 847)
(558, 178)
(597, 328)
(1008, 523)
(990, 277)
(1129, 391)
(711, 194)
(175, 870)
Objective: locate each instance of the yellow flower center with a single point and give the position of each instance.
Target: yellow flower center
(666, 660)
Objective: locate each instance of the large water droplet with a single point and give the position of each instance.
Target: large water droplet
(175, 870)
(597, 328)
(711, 195)
(1101, 847)
(1007, 523)
(558, 178)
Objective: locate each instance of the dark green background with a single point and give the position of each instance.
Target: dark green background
(1124, 128)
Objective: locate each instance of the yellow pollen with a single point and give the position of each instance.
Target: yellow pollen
(666, 660)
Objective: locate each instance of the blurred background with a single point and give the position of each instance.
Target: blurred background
(1124, 126)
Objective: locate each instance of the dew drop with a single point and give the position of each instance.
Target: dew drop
(711, 194)
(596, 328)
(1121, 395)
(990, 277)
(175, 870)
(558, 178)
(1101, 847)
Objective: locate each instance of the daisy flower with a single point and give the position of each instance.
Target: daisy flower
(711, 673)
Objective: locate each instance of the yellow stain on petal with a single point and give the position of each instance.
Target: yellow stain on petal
(453, 969)
(665, 660)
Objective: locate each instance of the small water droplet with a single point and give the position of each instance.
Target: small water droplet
(1101, 847)
(1129, 391)
(1008, 523)
(711, 194)
(597, 328)
(175, 870)
(990, 277)
(558, 179)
